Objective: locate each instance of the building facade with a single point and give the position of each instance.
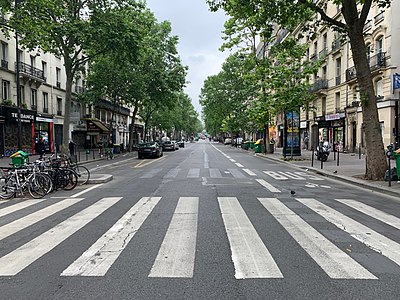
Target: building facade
(42, 93)
(336, 113)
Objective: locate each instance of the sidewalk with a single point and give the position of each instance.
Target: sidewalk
(348, 167)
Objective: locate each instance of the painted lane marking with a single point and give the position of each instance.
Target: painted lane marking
(98, 259)
(176, 256)
(17, 260)
(268, 186)
(251, 173)
(336, 263)
(250, 256)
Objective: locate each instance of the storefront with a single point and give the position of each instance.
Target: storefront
(44, 130)
(97, 134)
(9, 134)
(331, 128)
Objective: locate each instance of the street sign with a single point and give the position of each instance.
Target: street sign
(396, 81)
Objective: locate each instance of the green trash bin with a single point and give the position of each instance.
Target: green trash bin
(19, 158)
(259, 148)
(251, 145)
(246, 145)
(397, 157)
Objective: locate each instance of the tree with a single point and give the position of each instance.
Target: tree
(68, 28)
(289, 14)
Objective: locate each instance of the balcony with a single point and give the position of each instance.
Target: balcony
(321, 84)
(336, 44)
(323, 53)
(30, 72)
(4, 64)
(375, 63)
(379, 17)
(367, 25)
(314, 56)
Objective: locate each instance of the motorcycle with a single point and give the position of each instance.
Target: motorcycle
(323, 151)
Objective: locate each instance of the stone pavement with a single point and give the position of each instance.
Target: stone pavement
(347, 167)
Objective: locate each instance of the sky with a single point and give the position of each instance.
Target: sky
(200, 36)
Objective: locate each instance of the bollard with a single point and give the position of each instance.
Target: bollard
(79, 156)
(93, 154)
(337, 162)
(312, 157)
(359, 151)
(390, 175)
(322, 163)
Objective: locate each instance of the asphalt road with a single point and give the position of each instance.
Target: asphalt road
(204, 222)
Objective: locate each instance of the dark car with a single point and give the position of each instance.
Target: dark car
(168, 145)
(181, 144)
(150, 149)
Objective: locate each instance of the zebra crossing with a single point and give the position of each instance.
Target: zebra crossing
(250, 255)
(238, 173)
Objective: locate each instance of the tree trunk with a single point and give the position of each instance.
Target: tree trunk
(67, 112)
(375, 153)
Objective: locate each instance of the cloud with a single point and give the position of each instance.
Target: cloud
(199, 32)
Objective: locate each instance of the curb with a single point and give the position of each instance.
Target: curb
(346, 179)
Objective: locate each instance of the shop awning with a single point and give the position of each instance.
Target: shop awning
(97, 126)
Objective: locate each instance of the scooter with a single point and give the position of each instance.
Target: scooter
(323, 151)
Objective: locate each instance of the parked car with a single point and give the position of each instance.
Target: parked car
(228, 141)
(150, 149)
(175, 144)
(181, 144)
(168, 145)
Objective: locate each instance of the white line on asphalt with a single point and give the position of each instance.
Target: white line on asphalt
(372, 212)
(360, 232)
(268, 186)
(336, 263)
(86, 190)
(18, 206)
(251, 173)
(239, 165)
(215, 173)
(24, 222)
(250, 256)
(177, 252)
(17, 260)
(232, 160)
(98, 259)
(236, 173)
(193, 173)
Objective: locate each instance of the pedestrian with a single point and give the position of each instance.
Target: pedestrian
(40, 148)
(71, 147)
(110, 149)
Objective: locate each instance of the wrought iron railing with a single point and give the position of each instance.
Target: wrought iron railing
(29, 70)
(319, 85)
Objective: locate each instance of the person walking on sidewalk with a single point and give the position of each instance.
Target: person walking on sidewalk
(40, 148)
(110, 150)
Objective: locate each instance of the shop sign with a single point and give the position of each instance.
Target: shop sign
(25, 118)
(303, 124)
(337, 123)
(80, 127)
(335, 116)
(47, 120)
(320, 118)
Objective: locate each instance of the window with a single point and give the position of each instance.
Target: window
(323, 106)
(324, 72)
(379, 89)
(4, 55)
(58, 77)
(33, 61)
(5, 90)
(22, 93)
(337, 101)
(33, 99)
(379, 45)
(59, 106)
(45, 102)
(338, 70)
(44, 69)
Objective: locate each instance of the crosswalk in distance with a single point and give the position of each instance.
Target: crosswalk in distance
(176, 254)
(238, 173)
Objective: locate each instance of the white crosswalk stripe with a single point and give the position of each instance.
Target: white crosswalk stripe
(360, 232)
(249, 254)
(334, 261)
(97, 260)
(17, 260)
(177, 253)
(17, 225)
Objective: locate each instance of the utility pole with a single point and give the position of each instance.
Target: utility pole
(17, 71)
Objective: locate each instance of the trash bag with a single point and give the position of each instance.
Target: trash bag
(393, 174)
